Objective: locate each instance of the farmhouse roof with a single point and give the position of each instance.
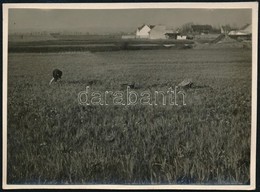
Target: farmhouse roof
(139, 28)
(150, 26)
(245, 30)
(245, 26)
(158, 28)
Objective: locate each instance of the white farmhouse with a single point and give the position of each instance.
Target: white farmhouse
(153, 32)
(143, 31)
(159, 32)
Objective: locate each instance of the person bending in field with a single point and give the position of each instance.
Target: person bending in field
(56, 75)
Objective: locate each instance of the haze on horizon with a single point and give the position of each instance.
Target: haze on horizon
(114, 21)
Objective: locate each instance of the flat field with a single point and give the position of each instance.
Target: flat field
(52, 139)
(95, 45)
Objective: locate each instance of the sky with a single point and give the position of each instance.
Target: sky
(112, 21)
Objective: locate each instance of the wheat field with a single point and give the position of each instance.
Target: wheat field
(52, 139)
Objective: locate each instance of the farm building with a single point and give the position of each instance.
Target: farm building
(143, 31)
(201, 29)
(171, 35)
(247, 29)
(181, 37)
(155, 32)
(159, 32)
(243, 33)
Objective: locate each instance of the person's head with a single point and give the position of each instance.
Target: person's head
(57, 74)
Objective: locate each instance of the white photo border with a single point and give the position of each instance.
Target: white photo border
(234, 5)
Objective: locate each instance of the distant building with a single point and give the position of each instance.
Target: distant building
(159, 32)
(243, 33)
(181, 37)
(171, 35)
(143, 31)
(154, 32)
(247, 28)
(201, 29)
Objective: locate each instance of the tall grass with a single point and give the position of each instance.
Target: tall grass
(54, 140)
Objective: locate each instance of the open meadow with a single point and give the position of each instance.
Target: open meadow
(52, 139)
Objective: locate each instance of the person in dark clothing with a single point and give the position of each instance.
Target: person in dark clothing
(56, 75)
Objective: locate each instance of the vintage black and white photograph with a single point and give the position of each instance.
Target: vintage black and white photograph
(129, 96)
